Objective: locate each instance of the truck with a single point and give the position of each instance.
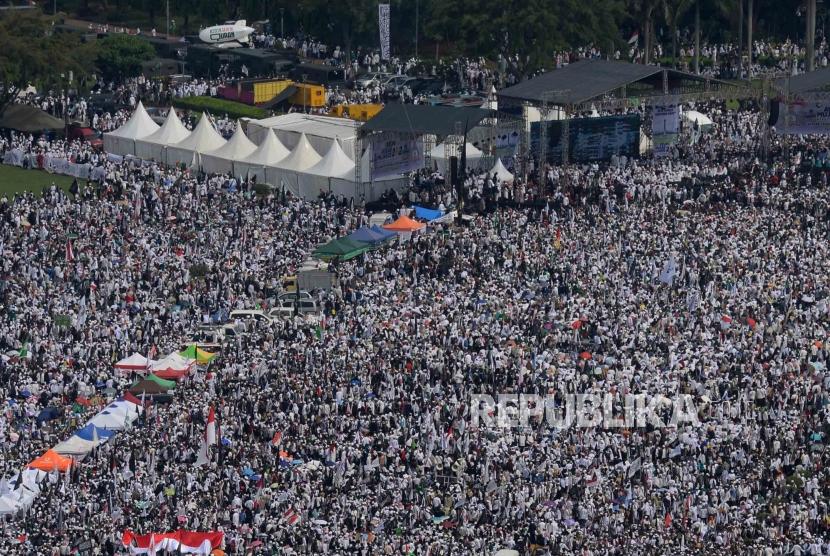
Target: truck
(313, 275)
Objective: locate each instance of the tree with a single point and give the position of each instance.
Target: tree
(122, 55)
(34, 54)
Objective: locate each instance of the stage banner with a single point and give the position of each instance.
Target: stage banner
(804, 117)
(383, 23)
(393, 156)
(591, 139)
(665, 126)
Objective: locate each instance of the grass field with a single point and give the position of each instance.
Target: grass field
(17, 180)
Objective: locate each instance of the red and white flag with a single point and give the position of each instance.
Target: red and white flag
(70, 253)
(210, 431)
(291, 517)
(277, 440)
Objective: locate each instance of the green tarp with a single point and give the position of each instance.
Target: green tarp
(168, 384)
(341, 248)
(201, 356)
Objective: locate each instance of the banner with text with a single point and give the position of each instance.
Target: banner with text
(803, 117)
(393, 156)
(665, 126)
(383, 22)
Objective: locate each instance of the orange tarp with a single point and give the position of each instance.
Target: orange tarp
(404, 224)
(51, 461)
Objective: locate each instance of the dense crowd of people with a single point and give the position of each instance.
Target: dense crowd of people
(352, 432)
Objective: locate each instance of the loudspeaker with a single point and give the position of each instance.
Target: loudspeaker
(774, 110)
(454, 170)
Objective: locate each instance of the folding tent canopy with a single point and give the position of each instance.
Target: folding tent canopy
(426, 213)
(84, 441)
(149, 387)
(201, 356)
(153, 146)
(501, 173)
(203, 139)
(367, 235)
(135, 362)
(122, 140)
(385, 233)
(342, 248)
(51, 461)
(703, 121)
(223, 160)
(267, 155)
(174, 366)
(404, 224)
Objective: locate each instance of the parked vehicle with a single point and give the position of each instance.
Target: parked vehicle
(78, 132)
(371, 79)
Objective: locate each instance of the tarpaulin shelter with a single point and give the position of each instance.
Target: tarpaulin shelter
(301, 158)
(135, 362)
(427, 214)
(442, 160)
(341, 248)
(404, 224)
(51, 461)
(223, 160)
(368, 235)
(153, 146)
(180, 542)
(201, 356)
(29, 119)
(122, 140)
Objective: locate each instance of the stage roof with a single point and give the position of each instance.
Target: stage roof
(420, 119)
(585, 80)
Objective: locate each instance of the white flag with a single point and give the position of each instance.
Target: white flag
(383, 23)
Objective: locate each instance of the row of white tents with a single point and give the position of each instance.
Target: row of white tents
(301, 171)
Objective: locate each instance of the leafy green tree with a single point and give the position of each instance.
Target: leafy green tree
(122, 55)
(33, 53)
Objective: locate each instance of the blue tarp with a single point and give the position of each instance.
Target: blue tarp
(87, 434)
(427, 214)
(367, 235)
(48, 414)
(383, 231)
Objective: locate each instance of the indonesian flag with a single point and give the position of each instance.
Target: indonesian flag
(635, 38)
(277, 440)
(70, 253)
(185, 542)
(210, 431)
(291, 517)
(667, 521)
(725, 321)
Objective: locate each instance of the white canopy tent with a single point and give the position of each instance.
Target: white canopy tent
(122, 140)
(301, 158)
(502, 174)
(203, 139)
(224, 159)
(440, 158)
(173, 362)
(135, 362)
(269, 153)
(171, 132)
(335, 165)
(704, 122)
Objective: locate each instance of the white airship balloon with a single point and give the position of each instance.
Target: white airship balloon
(229, 35)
